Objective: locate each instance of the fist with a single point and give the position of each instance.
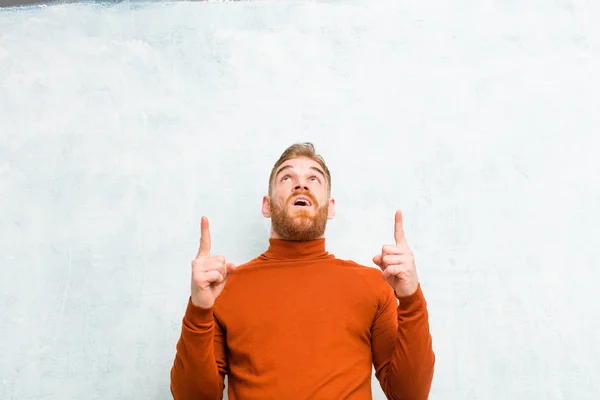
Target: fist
(397, 262)
(209, 273)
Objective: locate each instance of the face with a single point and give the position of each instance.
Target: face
(299, 206)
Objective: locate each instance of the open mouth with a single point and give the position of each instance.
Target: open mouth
(302, 202)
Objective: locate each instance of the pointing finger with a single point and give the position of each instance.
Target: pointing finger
(204, 250)
(399, 229)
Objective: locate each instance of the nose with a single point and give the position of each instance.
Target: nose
(300, 187)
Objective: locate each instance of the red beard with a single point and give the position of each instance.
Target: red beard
(300, 225)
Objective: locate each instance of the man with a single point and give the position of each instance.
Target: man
(296, 322)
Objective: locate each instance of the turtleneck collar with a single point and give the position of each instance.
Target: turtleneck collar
(280, 249)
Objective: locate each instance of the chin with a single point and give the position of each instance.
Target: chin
(301, 212)
(304, 224)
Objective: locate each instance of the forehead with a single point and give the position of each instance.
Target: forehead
(300, 163)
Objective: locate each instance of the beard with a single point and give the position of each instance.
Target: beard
(299, 224)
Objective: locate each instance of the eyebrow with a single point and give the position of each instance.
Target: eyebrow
(289, 166)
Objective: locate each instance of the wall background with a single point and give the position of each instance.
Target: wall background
(120, 125)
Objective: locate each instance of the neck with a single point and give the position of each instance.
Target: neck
(281, 249)
(275, 235)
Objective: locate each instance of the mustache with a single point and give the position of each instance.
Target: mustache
(305, 194)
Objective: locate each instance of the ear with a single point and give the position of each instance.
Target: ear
(266, 209)
(331, 210)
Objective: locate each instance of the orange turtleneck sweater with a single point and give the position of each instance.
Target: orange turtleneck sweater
(298, 323)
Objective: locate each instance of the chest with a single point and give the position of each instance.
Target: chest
(315, 307)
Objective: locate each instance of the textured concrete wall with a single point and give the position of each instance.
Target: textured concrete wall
(121, 125)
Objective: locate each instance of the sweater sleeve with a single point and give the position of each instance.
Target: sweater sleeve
(201, 360)
(402, 350)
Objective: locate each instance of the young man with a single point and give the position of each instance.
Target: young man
(296, 322)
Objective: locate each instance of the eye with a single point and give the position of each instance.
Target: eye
(314, 179)
(285, 177)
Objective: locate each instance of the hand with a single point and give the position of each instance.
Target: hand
(398, 263)
(209, 273)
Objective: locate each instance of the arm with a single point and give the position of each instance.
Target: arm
(200, 363)
(402, 350)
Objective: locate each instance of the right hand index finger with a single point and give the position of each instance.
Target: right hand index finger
(204, 250)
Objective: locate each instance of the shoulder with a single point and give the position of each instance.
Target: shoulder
(359, 269)
(371, 276)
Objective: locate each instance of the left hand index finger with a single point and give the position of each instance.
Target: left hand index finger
(399, 229)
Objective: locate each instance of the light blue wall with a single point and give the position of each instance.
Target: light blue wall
(121, 125)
